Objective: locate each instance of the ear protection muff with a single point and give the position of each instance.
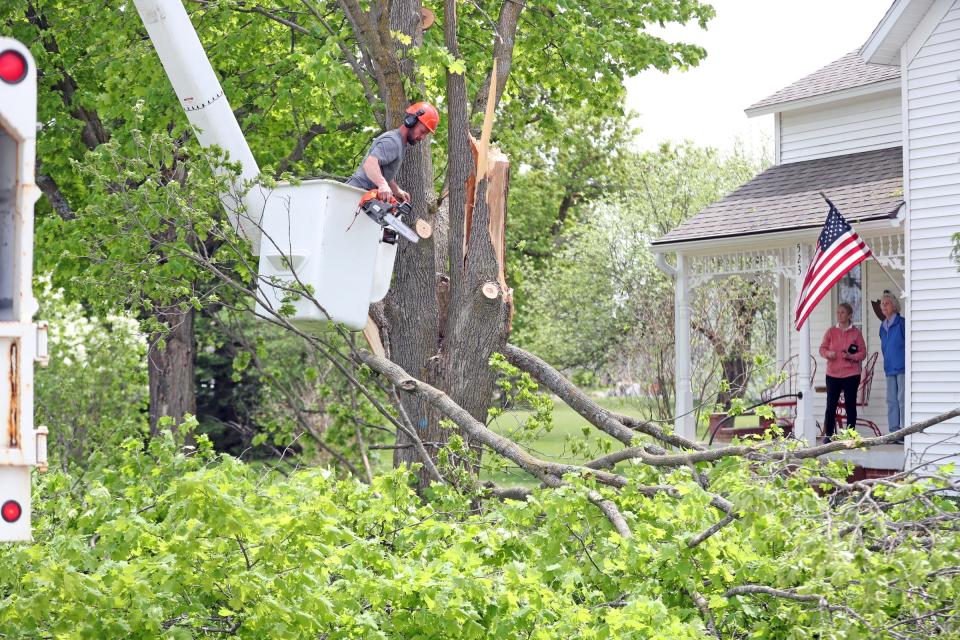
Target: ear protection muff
(410, 119)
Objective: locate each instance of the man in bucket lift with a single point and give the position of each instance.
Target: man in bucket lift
(382, 163)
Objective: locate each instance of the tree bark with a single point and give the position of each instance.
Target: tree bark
(437, 322)
(170, 367)
(412, 309)
(481, 303)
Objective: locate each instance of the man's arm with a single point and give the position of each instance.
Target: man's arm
(399, 193)
(371, 166)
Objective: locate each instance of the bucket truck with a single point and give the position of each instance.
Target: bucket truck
(21, 341)
(309, 233)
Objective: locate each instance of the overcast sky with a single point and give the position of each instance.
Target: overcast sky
(754, 48)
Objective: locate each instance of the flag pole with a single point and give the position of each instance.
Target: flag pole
(886, 273)
(903, 293)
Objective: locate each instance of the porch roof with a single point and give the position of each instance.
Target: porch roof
(863, 186)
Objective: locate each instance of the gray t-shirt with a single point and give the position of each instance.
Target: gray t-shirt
(388, 148)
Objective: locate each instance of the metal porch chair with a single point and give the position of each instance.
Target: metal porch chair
(782, 396)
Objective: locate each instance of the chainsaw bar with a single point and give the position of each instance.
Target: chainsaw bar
(382, 213)
(394, 223)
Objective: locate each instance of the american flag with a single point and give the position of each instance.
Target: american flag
(839, 249)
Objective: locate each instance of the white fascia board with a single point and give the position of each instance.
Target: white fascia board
(757, 241)
(826, 98)
(881, 33)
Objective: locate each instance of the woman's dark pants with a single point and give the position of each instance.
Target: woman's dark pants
(835, 386)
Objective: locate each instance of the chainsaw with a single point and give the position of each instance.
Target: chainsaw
(387, 215)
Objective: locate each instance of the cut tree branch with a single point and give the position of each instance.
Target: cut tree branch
(696, 541)
(704, 608)
(818, 600)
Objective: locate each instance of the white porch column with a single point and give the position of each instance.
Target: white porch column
(806, 427)
(806, 421)
(782, 301)
(685, 422)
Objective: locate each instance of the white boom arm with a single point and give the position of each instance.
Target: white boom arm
(311, 232)
(202, 98)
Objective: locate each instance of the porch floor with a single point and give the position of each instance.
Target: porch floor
(887, 456)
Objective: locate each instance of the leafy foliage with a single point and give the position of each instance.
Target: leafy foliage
(166, 543)
(264, 392)
(93, 395)
(601, 303)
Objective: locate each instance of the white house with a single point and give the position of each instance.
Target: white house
(879, 132)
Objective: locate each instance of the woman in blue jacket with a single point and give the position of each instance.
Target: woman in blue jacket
(892, 340)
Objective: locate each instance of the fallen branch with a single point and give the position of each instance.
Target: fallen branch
(508, 493)
(820, 601)
(866, 443)
(612, 512)
(549, 473)
(704, 608)
(569, 393)
(545, 471)
(696, 541)
(615, 426)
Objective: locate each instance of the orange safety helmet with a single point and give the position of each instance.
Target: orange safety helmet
(425, 113)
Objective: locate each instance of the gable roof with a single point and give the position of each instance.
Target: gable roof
(903, 16)
(849, 72)
(786, 197)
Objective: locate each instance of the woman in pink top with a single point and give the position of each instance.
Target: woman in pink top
(844, 349)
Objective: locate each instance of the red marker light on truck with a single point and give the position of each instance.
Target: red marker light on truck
(11, 511)
(13, 66)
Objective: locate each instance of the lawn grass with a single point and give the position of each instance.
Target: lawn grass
(570, 431)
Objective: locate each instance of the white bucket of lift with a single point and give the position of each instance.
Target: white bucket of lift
(383, 273)
(313, 236)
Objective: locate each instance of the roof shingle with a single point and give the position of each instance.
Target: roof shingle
(864, 186)
(846, 73)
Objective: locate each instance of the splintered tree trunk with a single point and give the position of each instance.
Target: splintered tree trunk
(449, 307)
(474, 306)
(170, 368)
(481, 304)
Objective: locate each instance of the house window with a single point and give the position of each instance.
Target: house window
(850, 290)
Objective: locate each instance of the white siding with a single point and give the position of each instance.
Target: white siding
(861, 124)
(932, 118)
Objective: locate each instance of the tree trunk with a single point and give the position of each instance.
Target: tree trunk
(481, 303)
(171, 368)
(736, 374)
(449, 307)
(412, 309)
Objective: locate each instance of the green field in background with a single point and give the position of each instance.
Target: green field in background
(556, 445)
